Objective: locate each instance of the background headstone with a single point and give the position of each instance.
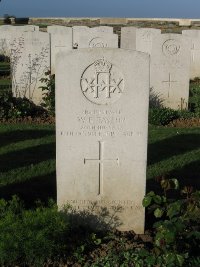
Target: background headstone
(195, 52)
(128, 38)
(98, 39)
(139, 39)
(101, 127)
(170, 67)
(30, 59)
(61, 40)
(85, 37)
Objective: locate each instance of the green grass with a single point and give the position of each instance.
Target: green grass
(27, 159)
(5, 81)
(4, 65)
(27, 162)
(174, 153)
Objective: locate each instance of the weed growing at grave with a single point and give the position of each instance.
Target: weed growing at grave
(177, 230)
(12, 107)
(162, 116)
(194, 100)
(49, 92)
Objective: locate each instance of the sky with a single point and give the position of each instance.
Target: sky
(102, 8)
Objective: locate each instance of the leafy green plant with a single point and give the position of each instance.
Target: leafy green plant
(177, 231)
(12, 107)
(194, 100)
(49, 92)
(162, 116)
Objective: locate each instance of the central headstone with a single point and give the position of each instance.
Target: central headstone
(102, 121)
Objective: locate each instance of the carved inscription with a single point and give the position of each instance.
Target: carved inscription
(124, 205)
(102, 83)
(169, 82)
(98, 42)
(100, 162)
(171, 47)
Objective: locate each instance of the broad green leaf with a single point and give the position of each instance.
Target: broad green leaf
(158, 213)
(146, 201)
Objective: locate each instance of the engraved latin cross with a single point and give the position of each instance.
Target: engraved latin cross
(100, 160)
(169, 82)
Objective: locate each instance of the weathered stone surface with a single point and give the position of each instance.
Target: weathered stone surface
(128, 38)
(30, 59)
(61, 40)
(85, 37)
(145, 38)
(101, 131)
(195, 52)
(139, 39)
(170, 67)
(98, 39)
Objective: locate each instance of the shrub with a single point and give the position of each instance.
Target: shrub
(194, 100)
(12, 107)
(177, 231)
(30, 237)
(162, 116)
(49, 92)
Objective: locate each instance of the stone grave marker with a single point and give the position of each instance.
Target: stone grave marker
(85, 37)
(98, 39)
(139, 39)
(169, 72)
(102, 99)
(76, 31)
(128, 38)
(195, 52)
(30, 59)
(61, 40)
(107, 29)
(145, 38)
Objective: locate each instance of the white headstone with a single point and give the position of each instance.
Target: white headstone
(145, 38)
(85, 37)
(170, 66)
(107, 29)
(30, 59)
(128, 38)
(61, 40)
(139, 39)
(76, 31)
(25, 28)
(195, 52)
(98, 39)
(101, 127)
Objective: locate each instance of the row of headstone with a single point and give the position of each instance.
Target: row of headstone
(33, 52)
(169, 65)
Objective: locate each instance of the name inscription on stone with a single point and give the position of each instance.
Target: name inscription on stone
(101, 123)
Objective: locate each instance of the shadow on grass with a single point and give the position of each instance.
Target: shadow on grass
(41, 187)
(26, 157)
(7, 138)
(172, 146)
(188, 175)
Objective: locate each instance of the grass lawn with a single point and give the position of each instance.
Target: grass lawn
(5, 81)
(4, 66)
(27, 159)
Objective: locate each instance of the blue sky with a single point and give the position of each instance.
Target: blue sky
(101, 8)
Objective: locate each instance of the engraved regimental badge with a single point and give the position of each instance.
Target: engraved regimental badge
(171, 47)
(102, 83)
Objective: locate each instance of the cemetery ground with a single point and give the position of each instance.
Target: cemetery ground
(35, 233)
(27, 160)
